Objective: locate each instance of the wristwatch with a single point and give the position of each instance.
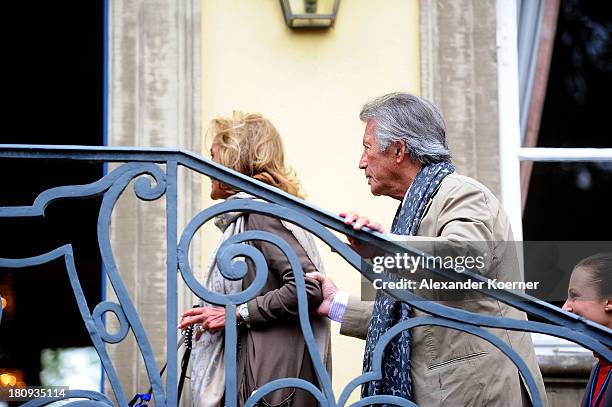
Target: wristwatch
(243, 310)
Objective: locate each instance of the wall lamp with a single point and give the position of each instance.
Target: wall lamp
(310, 13)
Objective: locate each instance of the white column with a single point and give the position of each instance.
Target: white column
(458, 74)
(509, 116)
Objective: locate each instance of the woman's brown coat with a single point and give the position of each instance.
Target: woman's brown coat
(273, 346)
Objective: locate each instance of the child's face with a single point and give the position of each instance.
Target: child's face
(583, 299)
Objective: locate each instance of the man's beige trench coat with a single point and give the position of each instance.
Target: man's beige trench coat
(452, 368)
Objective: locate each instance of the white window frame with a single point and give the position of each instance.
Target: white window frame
(511, 153)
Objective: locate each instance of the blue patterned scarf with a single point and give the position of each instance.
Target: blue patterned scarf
(388, 312)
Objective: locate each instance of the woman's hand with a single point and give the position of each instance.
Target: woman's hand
(210, 319)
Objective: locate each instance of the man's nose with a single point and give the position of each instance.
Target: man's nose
(363, 162)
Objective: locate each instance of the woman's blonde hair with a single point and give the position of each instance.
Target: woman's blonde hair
(250, 144)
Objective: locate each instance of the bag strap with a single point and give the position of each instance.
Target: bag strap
(142, 399)
(185, 362)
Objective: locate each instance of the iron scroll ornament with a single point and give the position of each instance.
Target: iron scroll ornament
(111, 186)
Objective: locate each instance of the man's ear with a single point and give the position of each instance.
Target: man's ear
(399, 149)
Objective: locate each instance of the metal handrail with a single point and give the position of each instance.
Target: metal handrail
(143, 161)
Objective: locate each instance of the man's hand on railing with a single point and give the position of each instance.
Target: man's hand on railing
(329, 291)
(360, 222)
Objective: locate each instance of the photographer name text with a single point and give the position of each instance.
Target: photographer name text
(430, 284)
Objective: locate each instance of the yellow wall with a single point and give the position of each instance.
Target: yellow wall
(312, 85)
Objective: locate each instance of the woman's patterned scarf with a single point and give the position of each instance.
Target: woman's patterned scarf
(388, 312)
(208, 354)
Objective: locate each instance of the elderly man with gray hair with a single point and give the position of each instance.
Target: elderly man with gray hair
(406, 157)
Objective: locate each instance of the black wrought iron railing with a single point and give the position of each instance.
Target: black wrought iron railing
(155, 174)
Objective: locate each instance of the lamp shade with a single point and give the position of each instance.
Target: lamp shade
(310, 13)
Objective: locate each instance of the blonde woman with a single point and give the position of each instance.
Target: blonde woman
(271, 341)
